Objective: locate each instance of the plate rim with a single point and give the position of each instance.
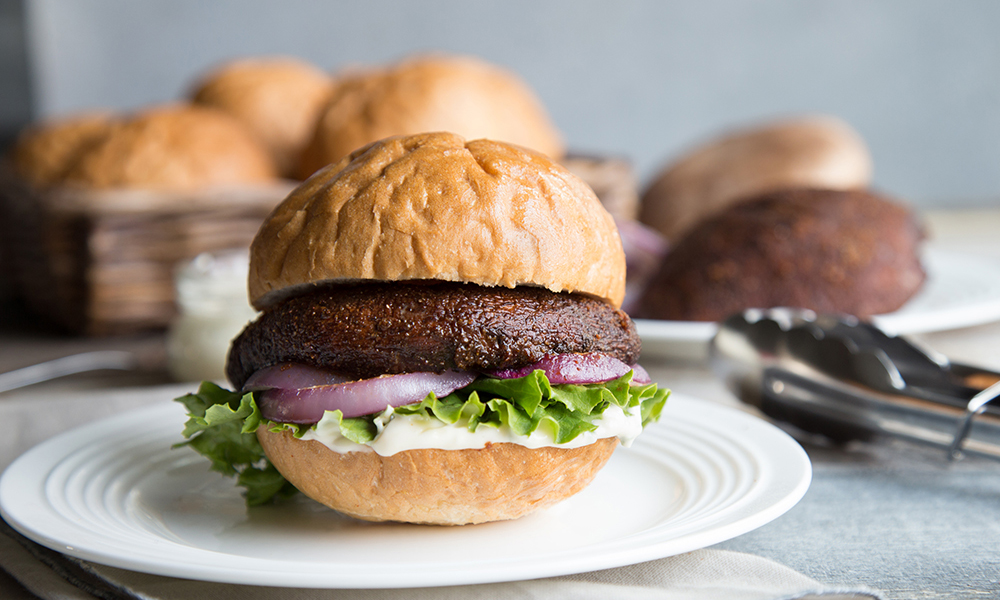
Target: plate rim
(58, 446)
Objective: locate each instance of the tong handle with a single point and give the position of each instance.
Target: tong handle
(844, 411)
(976, 407)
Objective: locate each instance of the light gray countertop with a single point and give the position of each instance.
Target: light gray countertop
(894, 516)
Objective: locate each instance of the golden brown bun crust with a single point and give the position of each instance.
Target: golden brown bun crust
(278, 99)
(176, 147)
(816, 152)
(433, 206)
(434, 93)
(44, 152)
(442, 487)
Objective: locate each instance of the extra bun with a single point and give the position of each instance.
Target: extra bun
(174, 148)
(433, 206)
(433, 93)
(443, 487)
(44, 152)
(278, 99)
(816, 152)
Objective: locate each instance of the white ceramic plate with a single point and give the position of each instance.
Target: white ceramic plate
(114, 492)
(961, 290)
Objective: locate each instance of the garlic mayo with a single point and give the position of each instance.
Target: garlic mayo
(397, 433)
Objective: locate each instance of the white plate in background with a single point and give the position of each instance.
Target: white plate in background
(961, 290)
(114, 492)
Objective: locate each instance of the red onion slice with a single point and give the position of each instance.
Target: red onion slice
(639, 375)
(290, 376)
(579, 369)
(357, 398)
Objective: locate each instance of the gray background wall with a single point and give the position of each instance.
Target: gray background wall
(920, 79)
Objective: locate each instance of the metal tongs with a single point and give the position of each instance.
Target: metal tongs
(846, 379)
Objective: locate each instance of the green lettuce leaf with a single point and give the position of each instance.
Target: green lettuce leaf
(222, 423)
(220, 427)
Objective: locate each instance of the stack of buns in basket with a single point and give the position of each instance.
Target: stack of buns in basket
(102, 206)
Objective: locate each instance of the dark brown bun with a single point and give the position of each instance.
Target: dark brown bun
(45, 151)
(278, 99)
(433, 206)
(849, 252)
(814, 152)
(178, 147)
(440, 487)
(462, 95)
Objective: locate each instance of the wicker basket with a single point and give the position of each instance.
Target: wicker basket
(103, 263)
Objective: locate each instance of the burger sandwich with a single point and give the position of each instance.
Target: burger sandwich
(440, 339)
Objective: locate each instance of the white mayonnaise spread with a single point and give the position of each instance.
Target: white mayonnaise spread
(409, 432)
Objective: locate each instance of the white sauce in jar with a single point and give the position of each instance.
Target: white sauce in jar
(409, 432)
(212, 309)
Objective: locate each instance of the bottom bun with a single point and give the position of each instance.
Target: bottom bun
(441, 487)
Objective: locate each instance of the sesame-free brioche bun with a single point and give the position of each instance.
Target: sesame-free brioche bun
(441, 487)
(277, 98)
(464, 95)
(178, 147)
(433, 206)
(44, 152)
(806, 152)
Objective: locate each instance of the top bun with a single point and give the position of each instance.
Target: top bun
(433, 206)
(808, 152)
(44, 152)
(278, 99)
(434, 93)
(174, 148)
